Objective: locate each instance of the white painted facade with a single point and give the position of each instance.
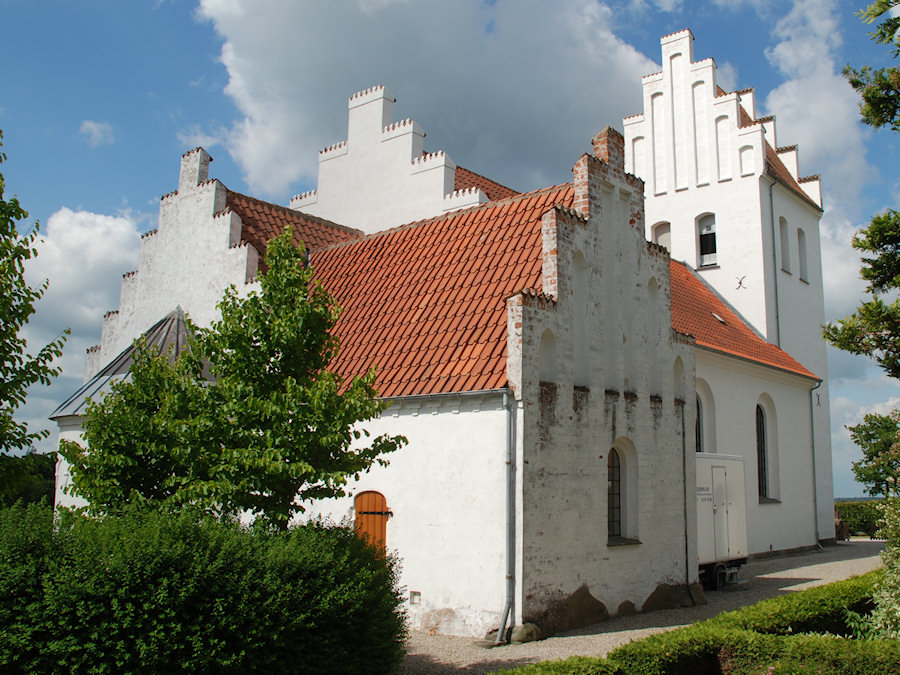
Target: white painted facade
(593, 363)
(383, 165)
(702, 154)
(189, 260)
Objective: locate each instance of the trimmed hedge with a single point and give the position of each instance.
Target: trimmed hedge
(147, 592)
(860, 517)
(786, 634)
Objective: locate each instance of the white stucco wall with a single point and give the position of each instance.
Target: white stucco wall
(189, 260)
(382, 165)
(598, 366)
(688, 144)
(736, 387)
(446, 490)
(69, 430)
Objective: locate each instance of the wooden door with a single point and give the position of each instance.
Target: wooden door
(371, 517)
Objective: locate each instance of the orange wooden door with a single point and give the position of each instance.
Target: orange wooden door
(371, 517)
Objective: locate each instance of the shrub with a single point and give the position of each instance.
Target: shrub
(860, 517)
(821, 609)
(773, 634)
(885, 619)
(150, 592)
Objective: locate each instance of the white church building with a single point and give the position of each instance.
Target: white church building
(555, 358)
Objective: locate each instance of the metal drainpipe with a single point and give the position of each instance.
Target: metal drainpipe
(509, 402)
(687, 559)
(812, 445)
(774, 261)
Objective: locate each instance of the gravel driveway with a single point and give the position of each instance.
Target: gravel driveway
(765, 578)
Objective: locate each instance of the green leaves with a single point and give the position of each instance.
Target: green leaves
(18, 369)
(879, 89)
(272, 430)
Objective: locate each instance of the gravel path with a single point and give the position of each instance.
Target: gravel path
(438, 654)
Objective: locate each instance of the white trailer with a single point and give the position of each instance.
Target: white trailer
(721, 517)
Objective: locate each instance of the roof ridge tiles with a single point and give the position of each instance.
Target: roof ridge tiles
(297, 214)
(808, 179)
(374, 236)
(786, 148)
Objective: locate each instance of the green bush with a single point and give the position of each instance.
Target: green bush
(795, 633)
(860, 517)
(148, 592)
(885, 619)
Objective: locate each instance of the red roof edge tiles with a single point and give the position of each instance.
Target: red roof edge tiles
(469, 179)
(262, 221)
(699, 311)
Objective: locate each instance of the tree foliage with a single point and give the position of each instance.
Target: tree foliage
(879, 438)
(29, 478)
(274, 427)
(879, 88)
(18, 369)
(873, 329)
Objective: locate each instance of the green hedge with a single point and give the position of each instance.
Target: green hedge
(787, 633)
(151, 593)
(860, 517)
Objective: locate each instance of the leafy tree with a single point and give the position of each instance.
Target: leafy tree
(152, 438)
(29, 478)
(879, 438)
(18, 369)
(274, 428)
(874, 328)
(879, 88)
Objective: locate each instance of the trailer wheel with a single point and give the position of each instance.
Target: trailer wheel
(719, 576)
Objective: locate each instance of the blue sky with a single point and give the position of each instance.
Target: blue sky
(99, 98)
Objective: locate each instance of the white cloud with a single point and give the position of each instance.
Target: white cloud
(83, 255)
(496, 85)
(97, 133)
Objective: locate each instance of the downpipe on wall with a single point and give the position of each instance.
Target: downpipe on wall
(815, 480)
(509, 403)
(684, 482)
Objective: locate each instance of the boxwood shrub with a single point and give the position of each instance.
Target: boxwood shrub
(150, 592)
(795, 633)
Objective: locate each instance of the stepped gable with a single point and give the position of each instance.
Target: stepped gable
(774, 166)
(426, 302)
(694, 309)
(465, 179)
(262, 221)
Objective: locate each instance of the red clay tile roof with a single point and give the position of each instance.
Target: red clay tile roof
(776, 168)
(262, 221)
(493, 190)
(425, 302)
(694, 306)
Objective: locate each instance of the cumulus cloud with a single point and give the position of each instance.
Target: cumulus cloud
(494, 84)
(83, 255)
(97, 133)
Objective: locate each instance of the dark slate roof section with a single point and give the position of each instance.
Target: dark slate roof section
(168, 336)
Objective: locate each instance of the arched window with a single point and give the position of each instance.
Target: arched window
(801, 252)
(706, 417)
(371, 517)
(614, 484)
(698, 428)
(785, 245)
(661, 234)
(762, 452)
(706, 239)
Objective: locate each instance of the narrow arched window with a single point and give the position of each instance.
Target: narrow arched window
(801, 252)
(706, 233)
(698, 429)
(762, 453)
(614, 480)
(785, 245)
